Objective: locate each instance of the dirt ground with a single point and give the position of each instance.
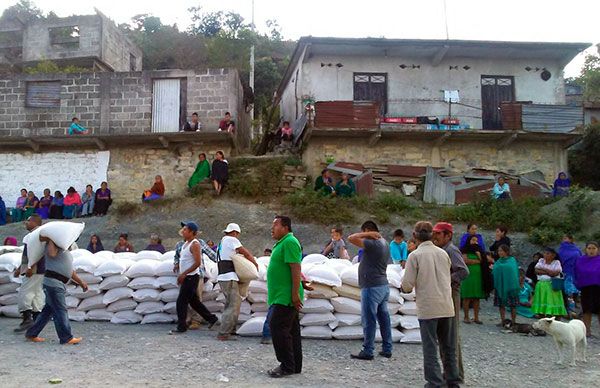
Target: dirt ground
(146, 356)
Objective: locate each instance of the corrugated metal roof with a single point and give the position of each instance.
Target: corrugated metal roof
(551, 118)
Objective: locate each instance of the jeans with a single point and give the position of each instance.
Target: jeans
(31, 293)
(374, 309)
(434, 331)
(70, 211)
(455, 327)
(55, 309)
(188, 295)
(87, 208)
(266, 329)
(287, 342)
(233, 302)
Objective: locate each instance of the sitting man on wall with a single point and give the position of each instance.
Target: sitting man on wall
(193, 126)
(227, 125)
(76, 129)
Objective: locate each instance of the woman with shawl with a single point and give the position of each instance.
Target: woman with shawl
(506, 283)
(202, 171)
(220, 172)
(562, 185)
(478, 284)
(157, 191)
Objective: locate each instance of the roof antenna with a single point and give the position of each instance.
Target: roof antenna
(446, 20)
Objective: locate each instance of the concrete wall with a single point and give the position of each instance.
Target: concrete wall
(119, 102)
(521, 156)
(412, 92)
(53, 170)
(116, 48)
(129, 170)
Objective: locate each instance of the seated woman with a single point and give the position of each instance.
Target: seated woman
(18, 212)
(345, 188)
(31, 205)
(155, 244)
(202, 171)
(44, 207)
(87, 202)
(72, 202)
(157, 191)
(95, 244)
(220, 172)
(501, 189)
(103, 200)
(562, 186)
(123, 244)
(57, 206)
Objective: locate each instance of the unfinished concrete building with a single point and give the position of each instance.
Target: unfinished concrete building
(88, 41)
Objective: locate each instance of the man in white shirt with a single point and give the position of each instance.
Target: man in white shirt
(228, 279)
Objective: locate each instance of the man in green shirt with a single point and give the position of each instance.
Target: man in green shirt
(285, 296)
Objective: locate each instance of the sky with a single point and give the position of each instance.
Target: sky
(508, 20)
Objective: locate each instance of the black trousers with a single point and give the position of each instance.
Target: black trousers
(285, 331)
(188, 296)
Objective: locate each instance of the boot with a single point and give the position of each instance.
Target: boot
(27, 321)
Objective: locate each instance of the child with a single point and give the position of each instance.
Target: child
(286, 132)
(525, 297)
(267, 252)
(399, 248)
(336, 248)
(411, 245)
(76, 129)
(530, 274)
(506, 282)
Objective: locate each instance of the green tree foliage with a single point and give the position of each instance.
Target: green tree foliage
(25, 10)
(584, 158)
(590, 78)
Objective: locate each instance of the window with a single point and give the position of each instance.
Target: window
(43, 94)
(132, 60)
(64, 37)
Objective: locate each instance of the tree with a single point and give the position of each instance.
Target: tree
(590, 78)
(584, 158)
(25, 10)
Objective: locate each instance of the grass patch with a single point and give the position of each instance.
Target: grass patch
(255, 177)
(308, 205)
(126, 209)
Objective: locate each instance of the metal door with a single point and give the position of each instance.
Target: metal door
(371, 87)
(495, 89)
(165, 105)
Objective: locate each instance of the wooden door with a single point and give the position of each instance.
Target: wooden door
(371, 87)
(495, 89)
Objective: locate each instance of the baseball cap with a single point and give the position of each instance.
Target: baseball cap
(232, 227)
(443, 227)
(191, 225)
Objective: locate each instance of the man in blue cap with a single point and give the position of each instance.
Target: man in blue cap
(190, 261)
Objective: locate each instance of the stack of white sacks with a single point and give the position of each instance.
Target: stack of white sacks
(142, 288)
(10, 259)
(332, 310)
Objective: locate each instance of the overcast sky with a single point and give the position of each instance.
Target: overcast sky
(513, 20)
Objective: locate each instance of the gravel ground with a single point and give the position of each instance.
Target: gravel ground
(144, 355)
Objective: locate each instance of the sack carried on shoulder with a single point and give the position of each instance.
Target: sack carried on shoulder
(244, 268)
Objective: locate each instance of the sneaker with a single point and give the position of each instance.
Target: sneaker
(362, 356)
(36, 339)
(385, 354)
(74, 341)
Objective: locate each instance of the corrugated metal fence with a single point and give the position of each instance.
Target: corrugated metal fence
(551, 118)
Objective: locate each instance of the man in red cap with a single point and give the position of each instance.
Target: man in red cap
(442, 237)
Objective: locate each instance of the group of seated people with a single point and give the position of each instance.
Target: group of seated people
(218, 173)
(123, 245)
(345, 188)
(225, 125)
(60, 206)
(561, 187)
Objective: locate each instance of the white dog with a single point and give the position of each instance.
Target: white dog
(571, 335)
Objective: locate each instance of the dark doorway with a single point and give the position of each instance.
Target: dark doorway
(495, 89)
(371, 87)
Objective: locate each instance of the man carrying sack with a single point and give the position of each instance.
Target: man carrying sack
(228, 279)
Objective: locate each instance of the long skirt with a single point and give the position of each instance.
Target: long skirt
(472, 286)
(546, 301)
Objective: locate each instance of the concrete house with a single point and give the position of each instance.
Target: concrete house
(89, 41)
(442, 103)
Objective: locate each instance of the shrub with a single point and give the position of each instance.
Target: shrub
(254, 177)
(308, 205)
(584, 158)
(126, 209)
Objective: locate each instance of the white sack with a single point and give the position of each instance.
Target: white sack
(410, 297)
(105, 256)
(91, 303)
(321, 291)
(11, 311)
(350, 276)
(245, 308)
(114, 281)
(116, 294)
(252, 327)
(169, 295)
(395, 296)
(71, 302)
(409, 308)
(170, 308)
(244, 268)
(78, 292)
(348, 333)
(412, 336)
(346, 305)
(10, 261)
(316, 306)
(396, 335)
(210, 268)
(87, 263)
(395, 273)
(259, 307)
(157, 318)
(147, 255)
(122, 305)
(124, 317)
(317, 319)
(348, 319)
(8, 288)
(125, 256)
(257, 298)
(339, 265)
(98, 315)
(409, 322)
(146, 295)
(165, 268)
(62, 233)
(89, 278)
(167, 282)
(75, 315)
(314, 258)
(142, 268)
(214, 307)
(317, 332)
(258, 287)
(145, 308)
(393, 308)
(325, 275)
(143, 282)
(111, 268)
(168, 256)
